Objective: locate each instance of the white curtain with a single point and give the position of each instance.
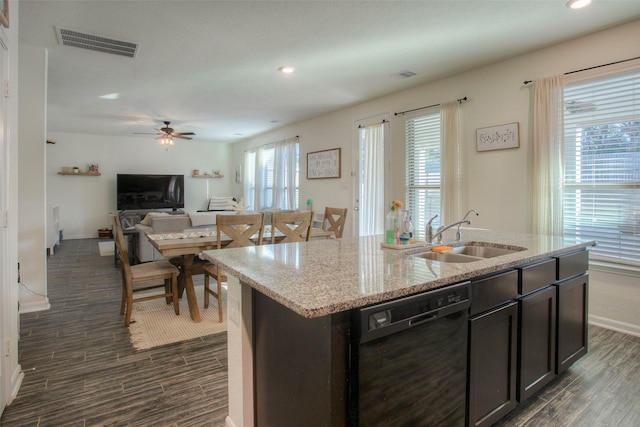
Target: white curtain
(451, 167)
(371, 204)
(285, 174)
(548, 131)
(249, 179)
(271, 176)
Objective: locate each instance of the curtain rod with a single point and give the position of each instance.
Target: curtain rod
(461, 100)
(592, 68)
(383, 122)
(268, 143)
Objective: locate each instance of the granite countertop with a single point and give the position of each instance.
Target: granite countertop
(322, 277)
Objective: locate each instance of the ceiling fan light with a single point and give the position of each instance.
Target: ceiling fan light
(166, 140)
(577, 4)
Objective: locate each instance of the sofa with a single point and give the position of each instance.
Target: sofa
(162, 222)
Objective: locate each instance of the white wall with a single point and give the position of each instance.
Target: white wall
(496, 183)
(31, 183)
(85, 201)
(10, 371)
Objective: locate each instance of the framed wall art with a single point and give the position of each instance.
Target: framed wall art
(323, 164)
(498, 137)
(4, 12)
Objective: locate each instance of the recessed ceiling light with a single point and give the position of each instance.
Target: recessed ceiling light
(287, 69)
(577, 4)
(110, 96)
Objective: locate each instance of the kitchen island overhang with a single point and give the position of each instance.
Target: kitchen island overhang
(323, 277)
(328, 279)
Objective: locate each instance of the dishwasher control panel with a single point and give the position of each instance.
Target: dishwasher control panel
(407, 312)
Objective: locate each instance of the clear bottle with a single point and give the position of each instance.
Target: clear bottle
(390, 227)
(407, 228)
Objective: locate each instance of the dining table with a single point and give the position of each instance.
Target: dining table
(190, 242)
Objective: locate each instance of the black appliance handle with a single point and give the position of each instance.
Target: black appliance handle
(425, 318)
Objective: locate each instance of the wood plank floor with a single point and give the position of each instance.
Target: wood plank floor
(81, 370)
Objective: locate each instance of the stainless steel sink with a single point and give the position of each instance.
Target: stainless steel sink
(447, 257)
(485, 251)
(471, 252)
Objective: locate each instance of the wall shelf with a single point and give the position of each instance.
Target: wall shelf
(80, 173)
(207, 176)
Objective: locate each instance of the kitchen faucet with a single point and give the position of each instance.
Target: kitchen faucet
(458, 235)
(438, 235)
(443, 228)
(429, 229)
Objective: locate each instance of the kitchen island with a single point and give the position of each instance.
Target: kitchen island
(317, 285)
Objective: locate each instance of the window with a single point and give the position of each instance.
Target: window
(423, 170)
(272, 176)
(602, 165)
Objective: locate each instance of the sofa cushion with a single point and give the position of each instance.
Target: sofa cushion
(170, 223)
(206, 218)
(148, 217)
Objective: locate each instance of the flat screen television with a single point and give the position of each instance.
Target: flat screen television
(138, 191)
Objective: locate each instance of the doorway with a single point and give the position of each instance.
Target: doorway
(371, 160)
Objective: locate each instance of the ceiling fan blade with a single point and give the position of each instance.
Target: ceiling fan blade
(182, 133)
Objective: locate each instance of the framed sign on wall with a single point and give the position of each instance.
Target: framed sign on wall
(498, 137)
(324, 164)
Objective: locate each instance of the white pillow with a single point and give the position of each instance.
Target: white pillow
(147, 219)
(221, 204)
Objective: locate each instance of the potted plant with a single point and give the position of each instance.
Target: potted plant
(76, 169)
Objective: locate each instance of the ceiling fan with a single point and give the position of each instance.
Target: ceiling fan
(166, 134)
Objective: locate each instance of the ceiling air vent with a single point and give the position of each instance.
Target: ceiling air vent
(68, 37)
(404, 74)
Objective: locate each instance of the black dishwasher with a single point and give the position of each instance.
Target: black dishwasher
(409, 360)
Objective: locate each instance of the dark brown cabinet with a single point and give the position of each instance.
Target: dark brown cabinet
(573, 299)
(493, 348)
(493, 338)
(537, 341)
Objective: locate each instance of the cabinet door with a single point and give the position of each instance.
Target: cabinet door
(537, 341)
(572, 321)
(491, 387)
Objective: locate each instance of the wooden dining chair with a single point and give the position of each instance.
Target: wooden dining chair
(232, 231)
(148, 272)
(334, 219)
(294, 226)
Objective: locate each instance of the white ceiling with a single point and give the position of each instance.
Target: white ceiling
(211, 67)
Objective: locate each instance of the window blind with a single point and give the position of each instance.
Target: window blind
(423, 170)
(602, 165)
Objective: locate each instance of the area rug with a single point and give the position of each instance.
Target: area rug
(154, 323)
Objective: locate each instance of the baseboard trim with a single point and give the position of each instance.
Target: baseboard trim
(16, 382)
(30, 307)
(615, 325)
(229, 422)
